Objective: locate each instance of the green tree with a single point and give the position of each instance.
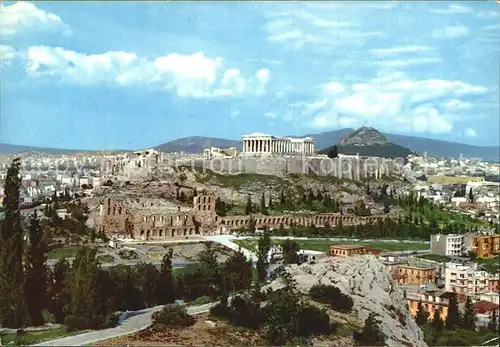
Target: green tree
(262, 203)
(12, 303)
(371, 335)
(290, 249)
(58, 290)
(469, 318)
(165, 284)
(248, 206)
(35, 287)
(453, 319)
(471, 196)
(437, 322)
(251, 225)
(493, 325)
(82, 285)
(282, 198)
(333, 152)
(270, 204)
(422, 316)
(263, 248)
(147, 279)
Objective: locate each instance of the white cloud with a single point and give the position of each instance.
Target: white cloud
(393, 102)
(7, 54)
(270, 115)
(400, 50)
(469, 132)
(25, 17)
(450, 32)
(401, 63)
(488, 14)
(334, 87)
(491, 27)
(194, 76)
(455, 105)
(453, 9)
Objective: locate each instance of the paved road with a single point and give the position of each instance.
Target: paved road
(131, 325)
(226, 240)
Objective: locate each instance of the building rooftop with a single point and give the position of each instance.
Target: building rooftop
(484, 306)
(348, 246)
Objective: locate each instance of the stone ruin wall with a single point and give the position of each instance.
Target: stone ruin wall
(202, 220)
(347, 167)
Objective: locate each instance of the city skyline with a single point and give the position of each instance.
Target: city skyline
(131, 75)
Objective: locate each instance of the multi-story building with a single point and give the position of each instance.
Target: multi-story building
(486, 246)
(453, 245)
(350, 250)
(494, 283)
(432, 301)
(465, 279)
(415, 274)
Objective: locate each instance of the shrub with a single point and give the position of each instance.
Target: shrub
(48, 317)
(172, 316)
(128, 254)
(332, 296)
(312, 320)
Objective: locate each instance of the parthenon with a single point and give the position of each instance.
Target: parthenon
(257, 143)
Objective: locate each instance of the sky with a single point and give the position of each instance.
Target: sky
(129, 75)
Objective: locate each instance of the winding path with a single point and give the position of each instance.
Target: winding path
(142, 320)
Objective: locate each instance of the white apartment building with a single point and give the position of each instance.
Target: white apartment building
(453, 245)
(465, 279)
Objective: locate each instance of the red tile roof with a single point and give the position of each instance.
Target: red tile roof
(484, 306)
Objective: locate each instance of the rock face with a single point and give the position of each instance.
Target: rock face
(369, 284)
(364, 136)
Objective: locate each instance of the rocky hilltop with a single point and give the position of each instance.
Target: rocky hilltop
(364, 136)
(369, 284)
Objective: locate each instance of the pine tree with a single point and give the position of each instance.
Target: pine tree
(453, 318)
(422, 316)
(12, 305)
(35, 288)
(165, 284)
(248, 206)
(469, 319)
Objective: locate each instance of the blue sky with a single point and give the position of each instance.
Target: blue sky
(132, 75)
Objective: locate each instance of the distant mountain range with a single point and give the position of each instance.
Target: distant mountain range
(196, 144)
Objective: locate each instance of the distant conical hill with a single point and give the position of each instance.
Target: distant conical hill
(369, 142)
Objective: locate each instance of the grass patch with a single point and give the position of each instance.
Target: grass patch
(63, 252)
(324, 246)
(490, 265)
(34, 337)
(106, 258)
(435, 257)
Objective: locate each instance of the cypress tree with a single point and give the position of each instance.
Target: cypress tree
(262, 203)
(270, 205)
(165, 284)
(469, 319)
(58, 290)
(422, 316)
(35, 288)
(248, 206)
(437, 321)
(453, 318)
(12, 305)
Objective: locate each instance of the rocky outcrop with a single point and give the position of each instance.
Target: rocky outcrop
(364, 136)
(366, 280)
